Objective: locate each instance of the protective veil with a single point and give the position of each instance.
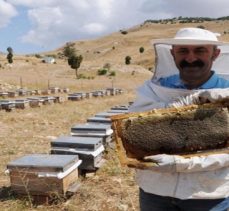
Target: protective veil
(204, 177)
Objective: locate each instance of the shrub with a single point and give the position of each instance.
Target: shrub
(10, 55)
(81, 76)
(124, 32)
(102, 71)
(38, 56)
(112, 73)
(141, 49)
(127, 60)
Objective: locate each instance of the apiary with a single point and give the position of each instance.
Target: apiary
(89, 150)
(93, 130)
(43, 174)
(186, 130)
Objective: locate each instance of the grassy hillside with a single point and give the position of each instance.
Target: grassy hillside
(31, 130)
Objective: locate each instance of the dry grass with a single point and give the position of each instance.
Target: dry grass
(31, 130)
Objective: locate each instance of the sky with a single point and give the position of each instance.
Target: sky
(33, 26)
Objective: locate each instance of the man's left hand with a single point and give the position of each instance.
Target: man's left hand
(164, 162)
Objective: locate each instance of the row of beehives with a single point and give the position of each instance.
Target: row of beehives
(9, 105)
(25, 92)
(70, 156)
(100, 93)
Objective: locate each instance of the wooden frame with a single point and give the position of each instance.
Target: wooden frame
(127, 160)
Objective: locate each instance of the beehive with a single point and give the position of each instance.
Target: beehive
(41, 174)
(89, 150)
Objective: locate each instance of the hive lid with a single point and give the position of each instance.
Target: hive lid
(105, 114)
(91, 128)
(117, 111)
(99, 120)
(44, 162)
(73, 151)
(80, 143)
(124, 107)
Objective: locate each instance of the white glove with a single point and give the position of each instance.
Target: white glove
(184, 101)
(211, 95)
(214, 95)
(164, 162)
(176, 163)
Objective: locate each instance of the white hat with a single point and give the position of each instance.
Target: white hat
(192, 36)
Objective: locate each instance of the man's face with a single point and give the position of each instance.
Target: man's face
(194, 63)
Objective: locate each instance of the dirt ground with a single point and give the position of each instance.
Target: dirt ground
(30, 131)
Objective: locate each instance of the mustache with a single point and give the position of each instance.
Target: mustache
(197, 63)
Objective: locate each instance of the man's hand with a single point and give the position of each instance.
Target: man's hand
(164, 162)
(215, 95)
(175, 163)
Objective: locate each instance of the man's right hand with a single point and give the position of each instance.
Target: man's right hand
(207, 96)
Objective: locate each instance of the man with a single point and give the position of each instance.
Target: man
(183, 77)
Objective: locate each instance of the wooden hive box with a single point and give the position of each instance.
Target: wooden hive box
(47, 100)
(89, 150)
(89, 94)
(60, 99)
(120, 107)
(12, 94)
(22, 103)
(186, 131)
(35, 102)
(42, 174)
(74, 97)
(66, 90)
(93, 130)
(7, 105)
(54, 90)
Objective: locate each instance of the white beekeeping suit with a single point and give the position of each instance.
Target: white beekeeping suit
(200, 177)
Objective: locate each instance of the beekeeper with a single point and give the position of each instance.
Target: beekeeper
(191, 68)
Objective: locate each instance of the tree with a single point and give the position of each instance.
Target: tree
(127, 60)
(69, 50)
(74, 62)
(141, 49)
(10, 55)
